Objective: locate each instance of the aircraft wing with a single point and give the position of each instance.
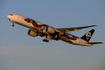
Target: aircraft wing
(73, 28)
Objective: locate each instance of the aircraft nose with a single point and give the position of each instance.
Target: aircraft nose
(9, 15)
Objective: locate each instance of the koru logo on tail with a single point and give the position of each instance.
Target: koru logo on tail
(88, 35)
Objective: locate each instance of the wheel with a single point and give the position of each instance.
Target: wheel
(45, 40)
(12, 25)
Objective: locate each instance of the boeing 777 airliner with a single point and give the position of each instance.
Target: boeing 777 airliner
(50, 33)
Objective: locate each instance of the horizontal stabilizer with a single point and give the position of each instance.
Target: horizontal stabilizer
(94, 42)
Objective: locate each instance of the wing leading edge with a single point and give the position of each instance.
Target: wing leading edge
(73, 29)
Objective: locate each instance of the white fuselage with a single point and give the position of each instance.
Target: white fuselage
(74, 40)
(21, 20)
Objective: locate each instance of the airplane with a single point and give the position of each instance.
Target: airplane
(50, 33)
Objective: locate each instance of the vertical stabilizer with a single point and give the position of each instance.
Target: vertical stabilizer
(88, 35)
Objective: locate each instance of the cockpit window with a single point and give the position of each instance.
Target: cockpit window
(11, 14)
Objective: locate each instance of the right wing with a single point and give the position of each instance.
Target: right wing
(73, 28)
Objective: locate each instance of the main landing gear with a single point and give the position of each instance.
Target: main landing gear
(45, 40)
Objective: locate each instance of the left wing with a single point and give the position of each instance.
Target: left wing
(73, 29)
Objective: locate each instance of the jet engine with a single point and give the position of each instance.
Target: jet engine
(32, 33)
(48, 29)
(51, 30)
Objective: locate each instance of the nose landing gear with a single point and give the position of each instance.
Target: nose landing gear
(13, 25)
(12, 22)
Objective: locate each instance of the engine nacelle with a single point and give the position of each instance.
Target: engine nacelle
(51, 30)
(32, 33)
(48, 29)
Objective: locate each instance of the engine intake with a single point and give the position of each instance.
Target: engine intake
(32, 33)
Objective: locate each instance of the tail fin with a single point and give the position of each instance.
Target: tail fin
(88, 35)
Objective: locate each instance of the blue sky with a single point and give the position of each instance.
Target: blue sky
(18, 51)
